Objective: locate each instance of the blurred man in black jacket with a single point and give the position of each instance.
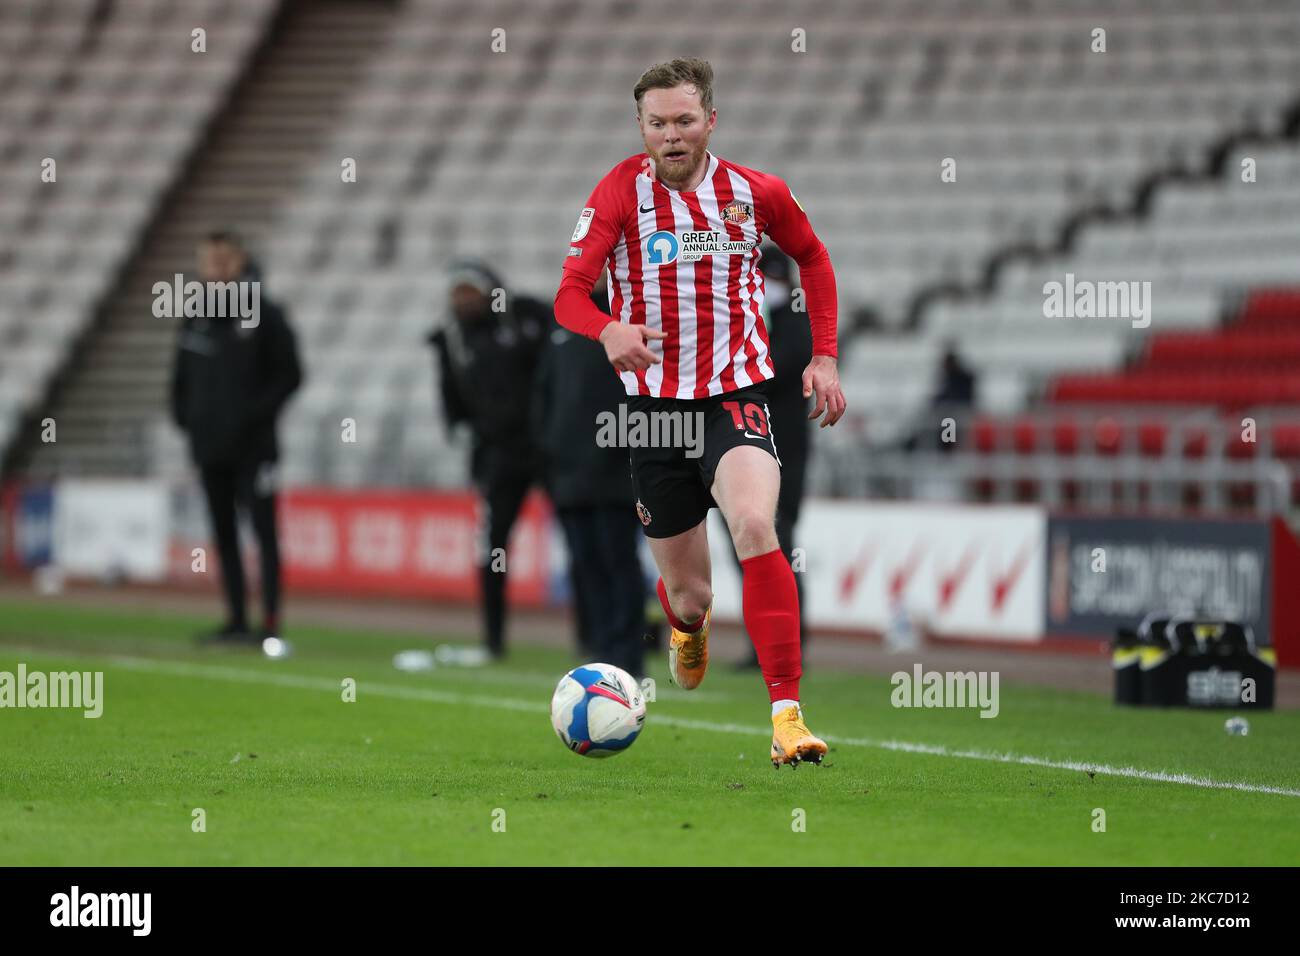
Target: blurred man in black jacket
(591, 488)
(231, 379)
(487, 356)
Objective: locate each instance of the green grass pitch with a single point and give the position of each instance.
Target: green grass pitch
(416, 770)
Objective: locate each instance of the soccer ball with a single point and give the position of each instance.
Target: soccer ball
(597, 710)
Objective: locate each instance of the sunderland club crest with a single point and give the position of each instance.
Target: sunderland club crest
(738, 213)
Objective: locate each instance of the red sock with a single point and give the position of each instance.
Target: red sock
(673, 619)
(771, 609)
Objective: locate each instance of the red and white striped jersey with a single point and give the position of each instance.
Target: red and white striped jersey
(688, 263)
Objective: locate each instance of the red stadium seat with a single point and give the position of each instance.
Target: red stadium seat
(1107, 435)
(1272, 306)
(1065, 436)
(1236, 447)
(1286, 441)
(1025, 436)
(1196, 441)
(1151, 438)
(986, 435)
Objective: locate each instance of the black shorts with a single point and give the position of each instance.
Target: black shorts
(672, 483)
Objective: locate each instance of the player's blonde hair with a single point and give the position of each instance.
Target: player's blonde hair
(683, 69)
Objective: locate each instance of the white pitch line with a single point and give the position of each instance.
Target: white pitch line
(240, 675)
(1106, 769)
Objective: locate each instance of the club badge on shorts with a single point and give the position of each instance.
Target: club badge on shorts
(642, 512)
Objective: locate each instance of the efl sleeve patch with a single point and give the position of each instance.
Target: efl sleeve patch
(584, 223)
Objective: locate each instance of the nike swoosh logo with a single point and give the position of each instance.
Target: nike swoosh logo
(950, 584)
(651, 209)
(902, 574)
(1003, 583)
(853, 574)
(759, 437)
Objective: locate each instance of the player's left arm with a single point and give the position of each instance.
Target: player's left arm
(789, 228)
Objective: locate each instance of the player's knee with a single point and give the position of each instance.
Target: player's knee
(753, 532)
(690, 600)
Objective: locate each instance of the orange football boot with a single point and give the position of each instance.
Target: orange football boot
(792, 741)
(688, 655)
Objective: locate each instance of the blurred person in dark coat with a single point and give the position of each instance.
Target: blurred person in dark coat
(790, 340)
(230, 381)
(591, 488)
(954, 394)
(956, 381)
(487, 353)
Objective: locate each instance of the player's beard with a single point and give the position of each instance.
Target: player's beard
(669, 172)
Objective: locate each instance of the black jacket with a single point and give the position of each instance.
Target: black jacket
(575, 383)
(230, 383)
(790, 335)
(956, 384)
(486, 371)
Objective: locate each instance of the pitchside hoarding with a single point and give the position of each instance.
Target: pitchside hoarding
(414, 544)
(107, 528)
(961, 571)
(951, 570)
(32, 531)
(1106, 573)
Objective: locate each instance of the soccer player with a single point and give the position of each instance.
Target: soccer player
(679, 229)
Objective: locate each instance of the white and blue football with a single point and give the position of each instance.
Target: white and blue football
(597, 710)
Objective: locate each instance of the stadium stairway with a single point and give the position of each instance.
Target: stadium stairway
(110, 401)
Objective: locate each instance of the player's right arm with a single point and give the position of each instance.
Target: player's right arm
(597, 233)
(788, 227)
(625, 346)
